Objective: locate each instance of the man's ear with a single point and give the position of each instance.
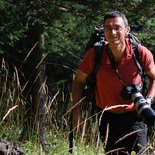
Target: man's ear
(127, 30)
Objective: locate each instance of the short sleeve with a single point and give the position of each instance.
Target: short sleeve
(87, 62)
(146, 57)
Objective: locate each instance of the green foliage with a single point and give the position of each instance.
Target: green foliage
(11, 27)
(68, 26)
(17, 16)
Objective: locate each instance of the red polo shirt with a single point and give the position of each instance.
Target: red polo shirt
(109, 87)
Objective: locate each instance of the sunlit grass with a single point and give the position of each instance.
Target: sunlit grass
(57, 144)
(57, 110)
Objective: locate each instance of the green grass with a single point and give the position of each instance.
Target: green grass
(57, 144)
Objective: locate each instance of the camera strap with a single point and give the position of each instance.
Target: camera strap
(114, 65)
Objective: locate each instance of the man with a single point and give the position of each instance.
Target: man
(126, 130)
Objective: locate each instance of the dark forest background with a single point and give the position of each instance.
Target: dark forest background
(42, 43)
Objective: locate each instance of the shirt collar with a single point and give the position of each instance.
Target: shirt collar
(127, 54)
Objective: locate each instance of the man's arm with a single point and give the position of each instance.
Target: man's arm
(77, 89)
(151, 88)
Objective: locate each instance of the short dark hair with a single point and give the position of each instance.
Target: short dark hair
(114, 14)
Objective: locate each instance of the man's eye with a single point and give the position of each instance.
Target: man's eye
(110, 29)
(117, 28)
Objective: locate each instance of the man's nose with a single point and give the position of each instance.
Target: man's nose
(113, 31)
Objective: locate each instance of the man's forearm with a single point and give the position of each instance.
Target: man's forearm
(76, 92)
(151, 91)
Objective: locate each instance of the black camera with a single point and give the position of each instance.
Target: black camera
(133, 92)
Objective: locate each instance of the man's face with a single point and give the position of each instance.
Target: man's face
(115, 30)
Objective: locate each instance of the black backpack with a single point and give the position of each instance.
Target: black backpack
(97, 41)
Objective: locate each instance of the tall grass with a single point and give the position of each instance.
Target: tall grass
(12, 106)
(57, 111)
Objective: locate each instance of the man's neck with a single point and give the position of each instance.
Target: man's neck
(118, 51)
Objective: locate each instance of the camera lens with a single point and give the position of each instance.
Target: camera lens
(143, 109)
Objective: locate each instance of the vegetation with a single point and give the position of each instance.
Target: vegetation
(41, 44)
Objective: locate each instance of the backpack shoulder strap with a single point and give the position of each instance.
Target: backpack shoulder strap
(98, 52)
(134, 43)
(137, 58)
(135, 49)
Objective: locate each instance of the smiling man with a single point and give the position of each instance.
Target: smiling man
(126, 130)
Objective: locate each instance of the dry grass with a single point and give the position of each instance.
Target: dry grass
(57, 111)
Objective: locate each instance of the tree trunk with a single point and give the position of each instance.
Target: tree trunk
(34, 83)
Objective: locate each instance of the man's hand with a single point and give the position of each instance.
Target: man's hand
(149, 100)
